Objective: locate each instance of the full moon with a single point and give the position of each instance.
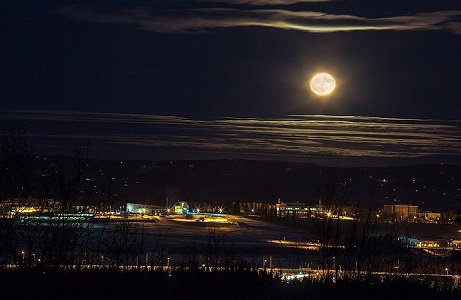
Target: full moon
(323, 84)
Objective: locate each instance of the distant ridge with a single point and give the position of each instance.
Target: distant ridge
(432, 187)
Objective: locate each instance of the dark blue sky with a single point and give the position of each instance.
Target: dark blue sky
(396, 63)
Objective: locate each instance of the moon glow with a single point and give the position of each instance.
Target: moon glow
(323, 84)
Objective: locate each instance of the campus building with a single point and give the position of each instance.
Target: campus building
(429, 217)
(400, 212)
(145, 209)
(296, 210)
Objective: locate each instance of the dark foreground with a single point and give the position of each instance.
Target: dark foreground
(231, 283)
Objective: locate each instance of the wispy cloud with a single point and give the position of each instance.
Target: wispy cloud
(291, 136)
(199, 20)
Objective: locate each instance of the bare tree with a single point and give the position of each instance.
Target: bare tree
(57, 241)
(120, 245)
(16, 189)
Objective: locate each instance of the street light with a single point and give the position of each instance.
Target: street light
(168, 262)
(446, 270)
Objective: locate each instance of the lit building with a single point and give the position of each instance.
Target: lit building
(455, 243)
(428, 216)
(14, 207)
(180, 208)
(144, 209)
(296, 210)
(400, 212)
(412, 242)
(429, 244)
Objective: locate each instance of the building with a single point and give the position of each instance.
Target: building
(400, 212)
(429, 244)
(145, 209)
(412, 242)
(180, 208)
(429, 217)
(455, 243)
(297, 210)
(293, 210)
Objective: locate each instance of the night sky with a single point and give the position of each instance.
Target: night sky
(230, 79)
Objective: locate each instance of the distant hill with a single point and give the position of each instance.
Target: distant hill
(432, 187)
